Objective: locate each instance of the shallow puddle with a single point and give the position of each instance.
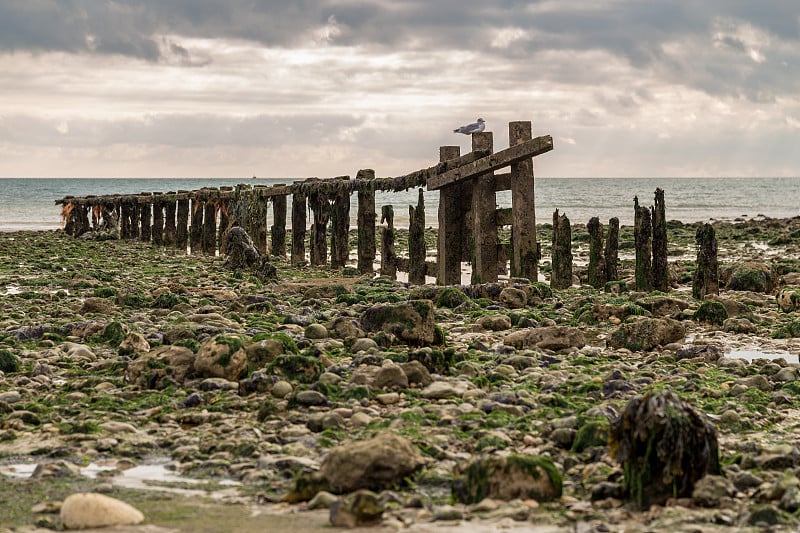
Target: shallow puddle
(751, 355)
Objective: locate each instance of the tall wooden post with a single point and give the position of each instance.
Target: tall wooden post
(660, 275)
(320, 208)
(484, 226)
(340, 224)
(706, 275)
(182, 225)
(561, 277)
(366, 222)
(278, 230)
(125, 219)
(611, 252)
(225, 203)
(134, 212)
(298, 228)
(416, 242)
(642, 236)
(452, 212)
(170, 228)
(524, 262)
(210, 225)
(257, 220)
(388, 257)
(158, 219)
(145, 207)
(196, 229)
(596, 274)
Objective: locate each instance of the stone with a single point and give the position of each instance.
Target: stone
(322, 500)
(363, 344)
(281, 389)
(416, 373)
(221, 357)
(92, 510)
(788, 299)
(133, 343)
(263, 352)
(375, 464)
(162, 366)
(495, 322)
(710, 489)
(547, 338)
(646, 334)
(390, 376)
(412, 322)
(310, 397)
(99, 306)
(361, 508)
(440, 390)
(316, 331)
(513, 298)
(507, 478)
(750, 276)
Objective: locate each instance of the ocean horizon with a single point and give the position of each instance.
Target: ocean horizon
(29, 203)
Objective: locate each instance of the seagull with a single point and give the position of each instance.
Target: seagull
(469, 129)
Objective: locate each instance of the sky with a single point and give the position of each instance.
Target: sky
(299, 88)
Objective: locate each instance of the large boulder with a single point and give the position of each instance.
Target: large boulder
(374, 464)
(221, 357)
(647, 333)
(508, 478)
(547, 338)
(750, 276)
(92, 510)
(411, 321)
(161, 367)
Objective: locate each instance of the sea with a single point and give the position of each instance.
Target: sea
(29, 203)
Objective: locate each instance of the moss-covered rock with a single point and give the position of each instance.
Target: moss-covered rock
(788, 299)
(451, 297)
(222, 356)
(411, 321)
(647, 333)
(750, 276)
(297, 367)
(711, 312)
(8, 362)
(507, 478)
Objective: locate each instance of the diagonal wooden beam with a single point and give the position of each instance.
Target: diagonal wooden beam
(531, 148)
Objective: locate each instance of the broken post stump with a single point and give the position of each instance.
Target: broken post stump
(561, 276)
(596, 273)
(416, 242)
(484, 226)
(706, 275)
(611, 251)
(278, 230)
(660, 274)
(642, 236)
(388, 257)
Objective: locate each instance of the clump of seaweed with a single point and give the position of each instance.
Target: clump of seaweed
(665, 447)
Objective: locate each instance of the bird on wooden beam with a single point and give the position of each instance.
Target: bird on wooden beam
(469, 129)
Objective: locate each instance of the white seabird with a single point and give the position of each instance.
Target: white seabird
(469, 129)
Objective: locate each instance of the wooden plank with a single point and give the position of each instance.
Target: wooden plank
(528, 149)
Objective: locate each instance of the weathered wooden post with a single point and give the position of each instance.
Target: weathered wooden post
(561, 277)
(524, 262)
(225, 200)
(158, 219)
(182, 227)
(196, 229)
(452, 214)
(660, 275)
(298, 228)
(484, 226)
(416, 242)
(125, 219)
(278, 230)
(134, 227)
(366, 222)
(257, 219)
(596, 274)
(210, 224)
(706, 274)
(145, 207)
(321, 211)
(388, 256)
(611, 252)
(170, 229)
(340, 223)
(642, 235)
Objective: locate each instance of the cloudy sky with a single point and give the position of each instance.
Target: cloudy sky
(298, 88)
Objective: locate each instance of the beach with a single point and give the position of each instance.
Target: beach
(103, 390)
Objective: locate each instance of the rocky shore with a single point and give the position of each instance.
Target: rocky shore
(329, 397)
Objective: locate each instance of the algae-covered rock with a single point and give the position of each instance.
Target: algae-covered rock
(664, 445)
(451, 297)
(547, 338)
(221, 357)
(788, 299)
(161, 367)
(361, 508)
(750, 276)
(507, 478)
(647, 333)
(8, 362)
(297, 367)
(378, 463)
(411, 321)
(711, 312)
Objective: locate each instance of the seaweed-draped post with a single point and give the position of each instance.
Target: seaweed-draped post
(182, 228)
(298, 228)
(321, 210)
(158, 219)
(416, 242)
(596, 274)
(145, 209)
(611, 252)
(660, 277)
(278, 230)
(366, 221)
(561, 277)
(706, 275)
(388, 257)
(340, 223)
(170, 228)
(196, 229)
(642, 237)
(210, 223)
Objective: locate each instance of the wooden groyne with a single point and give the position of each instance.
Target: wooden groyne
(197, 220)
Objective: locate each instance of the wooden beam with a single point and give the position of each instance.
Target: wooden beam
(531, 148)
